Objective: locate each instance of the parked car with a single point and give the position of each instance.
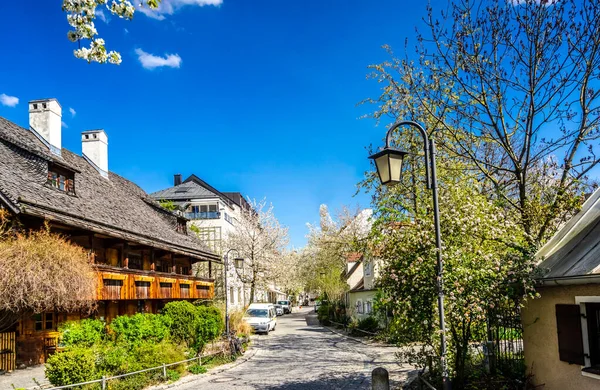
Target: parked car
(287, 306)
(278, 309)
(262, 317)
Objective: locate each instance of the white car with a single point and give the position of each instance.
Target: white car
(261, 317)
(286, 305)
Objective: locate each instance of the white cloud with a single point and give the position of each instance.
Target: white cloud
(101, 15)
(150, 61)
(63, 124)
(169, 7)
(9, 101)
(72, 111)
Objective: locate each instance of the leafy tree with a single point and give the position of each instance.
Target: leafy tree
(328, 248)
(485, 268)
(512, 88)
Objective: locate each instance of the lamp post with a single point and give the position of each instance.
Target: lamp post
(389, 168)
(239, 262)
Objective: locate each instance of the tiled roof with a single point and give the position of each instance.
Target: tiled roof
(115, 207)
(192, 188)
(575, 249)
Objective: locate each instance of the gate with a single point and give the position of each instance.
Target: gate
(7, 351)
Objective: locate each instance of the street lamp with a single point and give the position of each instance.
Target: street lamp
(238, 263)
(389, 168)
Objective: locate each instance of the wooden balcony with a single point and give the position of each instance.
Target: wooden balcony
(127, 284)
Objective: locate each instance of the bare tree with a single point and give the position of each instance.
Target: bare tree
(41, 271)
(260, 240)
(512, 87)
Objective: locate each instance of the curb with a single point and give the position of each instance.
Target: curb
(217, 370)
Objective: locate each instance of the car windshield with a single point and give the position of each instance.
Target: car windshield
(283, 302)
(257, 313)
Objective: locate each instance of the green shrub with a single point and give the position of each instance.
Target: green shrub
(323, 314)
(173, 376)
(84, 333)
(197, 369)
(114, 359)
(210, 325)
(140, 328)
(72, 366)
(149, 355)
(183, 316)
(369, 324)
(133, 382)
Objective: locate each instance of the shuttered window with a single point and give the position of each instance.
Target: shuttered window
(570, 339)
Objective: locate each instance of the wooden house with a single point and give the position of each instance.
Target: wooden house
(142, 252)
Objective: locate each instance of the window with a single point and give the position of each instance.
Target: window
(368, 268)
(181, 226)
(228, 218)
(359, 307)
(61, 179)
(368, 307)
(239, 294)
(185, 270)
(44, 321)
(210, 211)
(135, 261)
(578, 328)
(231, 296)
(141, 308)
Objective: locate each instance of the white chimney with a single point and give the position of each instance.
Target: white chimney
(94, 147)
(45, 120)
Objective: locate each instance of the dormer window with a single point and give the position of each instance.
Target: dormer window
(61, 179)
(181, 226)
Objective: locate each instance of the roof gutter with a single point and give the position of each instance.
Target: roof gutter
(569, 280)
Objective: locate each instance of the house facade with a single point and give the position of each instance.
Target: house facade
(361, 274)
(561, 329)
(213, 215)
(143, 254)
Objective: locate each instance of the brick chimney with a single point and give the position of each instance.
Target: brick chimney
(45, 119)
(177, 179)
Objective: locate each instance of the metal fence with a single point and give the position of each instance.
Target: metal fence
(104, 380)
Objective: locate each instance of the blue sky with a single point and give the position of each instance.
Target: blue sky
(260, 96)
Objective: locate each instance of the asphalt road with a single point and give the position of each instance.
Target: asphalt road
(301, 356)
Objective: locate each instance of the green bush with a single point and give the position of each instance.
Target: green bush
(173, 376)
(140, 328)
(183, 316)
(323, 314)
(75, 365)
(114, 359)
(369, 324)
(193, 325)
(84, 333)
(197, 369)
(149, 355)
(133, 382)
(210, 325)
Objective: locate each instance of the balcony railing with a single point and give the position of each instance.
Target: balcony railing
(121, 283)
(203, 215)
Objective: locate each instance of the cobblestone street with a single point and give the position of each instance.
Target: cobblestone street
(301, 356)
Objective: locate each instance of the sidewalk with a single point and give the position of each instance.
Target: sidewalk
(380, 354)
(24, 378)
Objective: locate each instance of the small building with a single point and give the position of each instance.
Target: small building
(143, 254)
(360, 276)
(561, 330)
